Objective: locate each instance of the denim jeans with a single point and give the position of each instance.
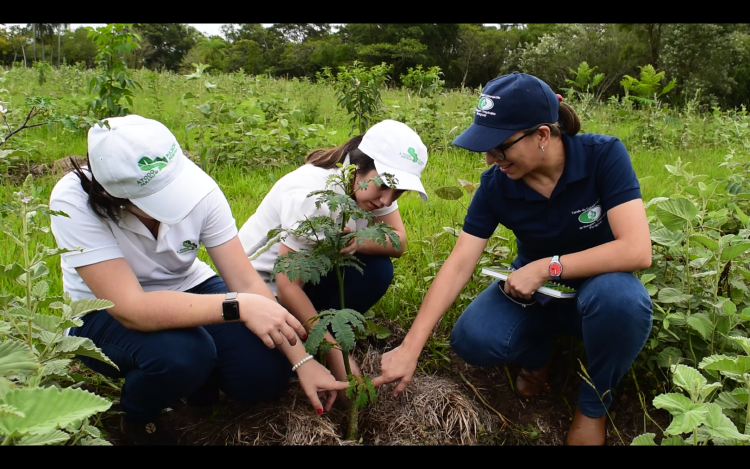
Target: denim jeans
(361, 290)
(163, 366)
(612, 314)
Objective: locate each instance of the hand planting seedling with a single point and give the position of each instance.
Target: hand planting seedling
(328, 238)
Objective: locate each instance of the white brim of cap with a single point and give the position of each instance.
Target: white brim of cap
(173, 203)
(404, 180)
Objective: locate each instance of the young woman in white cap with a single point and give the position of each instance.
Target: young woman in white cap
(387, 147)
(137, 216)
(574, 204)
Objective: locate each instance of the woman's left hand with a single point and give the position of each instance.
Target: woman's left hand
(316, 380)
(523, 283)
(351, 246)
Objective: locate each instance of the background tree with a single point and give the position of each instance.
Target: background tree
(165, 44)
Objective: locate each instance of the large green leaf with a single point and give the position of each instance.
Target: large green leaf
(15, 357)
(736, 399)
(647, 439)
(82, 346)
(5, 386)
(665, 237)
(11, 271)
(672, 295)
(687, 421)
(673, 402)
(675, 440)
(674, 213)
(723, 363)
(668, 357)
(731, 252)
(47, 409)
(744, 342)
(701, 323)
(720, 426)
(57, 367)
(9, 410)
(51, 438)
(689, 379)
(449, 192)
(87, 305)
(711, 244)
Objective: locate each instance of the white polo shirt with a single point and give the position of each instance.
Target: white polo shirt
(169, 262)
(283, 207)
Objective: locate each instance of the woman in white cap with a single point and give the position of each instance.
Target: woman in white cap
(136, 218)
(388, 147)
(574, 204)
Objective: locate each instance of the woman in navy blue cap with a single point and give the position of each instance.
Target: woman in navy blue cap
(574, 205)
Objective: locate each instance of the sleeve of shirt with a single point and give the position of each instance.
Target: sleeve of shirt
(479, 220)
(297, 207)
(616, 178)
(219, 226)
(82, 229)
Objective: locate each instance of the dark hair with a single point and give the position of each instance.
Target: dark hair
(329, 157)
(101, 203)
(567, 123)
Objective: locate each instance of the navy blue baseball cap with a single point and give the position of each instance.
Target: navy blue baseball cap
(508, 103)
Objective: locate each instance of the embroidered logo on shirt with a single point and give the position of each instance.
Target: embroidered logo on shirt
(590, 215)
(188, 246)
(485, 104)
(152, 167)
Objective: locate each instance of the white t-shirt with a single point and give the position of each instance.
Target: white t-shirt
(283, 207)
(169, 262)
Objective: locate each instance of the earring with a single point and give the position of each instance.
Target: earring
(122, 207)
(542, 149)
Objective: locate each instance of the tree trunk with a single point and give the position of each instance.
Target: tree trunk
(23, 51)
(43, 48)
(34, 33)
(58, 47)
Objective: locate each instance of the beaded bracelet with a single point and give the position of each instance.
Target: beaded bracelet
(301, 362)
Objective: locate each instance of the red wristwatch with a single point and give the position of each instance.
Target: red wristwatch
(555, 268)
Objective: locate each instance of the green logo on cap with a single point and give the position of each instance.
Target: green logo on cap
(188, 246)
(590, 216)
(412, 155)
(485, 104)
(152, 167)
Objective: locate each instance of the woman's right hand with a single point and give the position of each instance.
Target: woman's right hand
(269, 320)
(315, 380)
(397, 365)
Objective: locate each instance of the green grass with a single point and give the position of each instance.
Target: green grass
(246, 184)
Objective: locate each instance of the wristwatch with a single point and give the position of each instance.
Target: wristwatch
(230, 308)
(555, 268)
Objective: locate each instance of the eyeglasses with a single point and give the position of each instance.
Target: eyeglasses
(502, 148)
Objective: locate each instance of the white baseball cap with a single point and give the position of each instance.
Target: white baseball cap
(140, 160)
(397, 150)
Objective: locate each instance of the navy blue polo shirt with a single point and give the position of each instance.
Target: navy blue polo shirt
(597, 176)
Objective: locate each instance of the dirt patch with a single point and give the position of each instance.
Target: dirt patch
(439, 409)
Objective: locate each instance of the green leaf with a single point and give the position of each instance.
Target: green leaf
(11, 271)
(689, 379)
(51, 438)
(672, 295)
(711, 244)
(687, 421)
(723, 363)
(5, 387)
(82, 346)
(741, 215)
(316, 335)
(674, 213)
(40, 289)
(720, 426)
(734, 251)
(666, 237)
(743, 342)
(46, 409)
(382, 332)
(449, 193)
(668, 357)
(57, 367)
(19, 312)
(736, 399)
(16, 356)
(647, 439)
(673, 441)
(10, 411)
(702, 324)
(343, 332)
(645, 278)
(82, 307)
(673, 402)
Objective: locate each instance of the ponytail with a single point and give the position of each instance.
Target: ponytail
(568, 121)
(328, 158)
(102, 204)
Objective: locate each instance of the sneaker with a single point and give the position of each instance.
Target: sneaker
(148, 434)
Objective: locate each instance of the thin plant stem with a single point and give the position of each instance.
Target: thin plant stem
(28, 274)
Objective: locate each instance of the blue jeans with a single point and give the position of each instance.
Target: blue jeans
(361, 290)
(163, 366)
(612, 314)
